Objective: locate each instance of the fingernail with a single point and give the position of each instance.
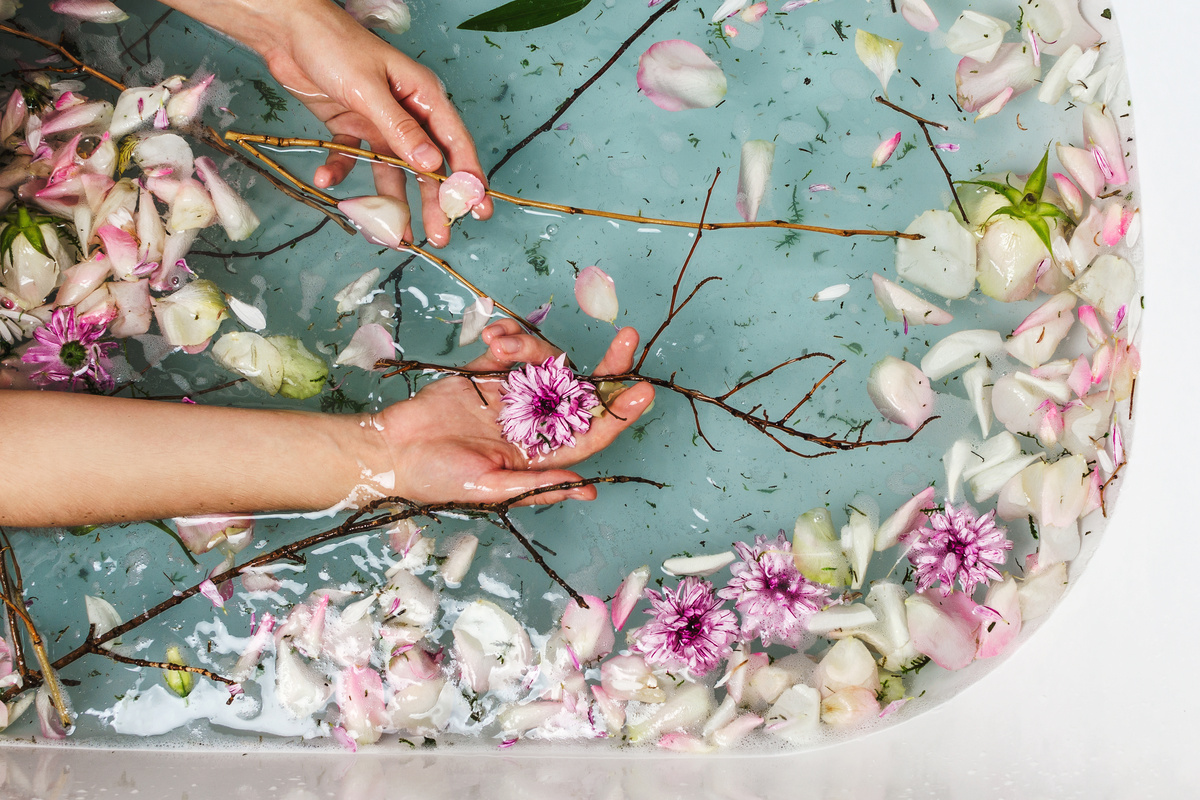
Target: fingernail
(508, 345)
(427, 157)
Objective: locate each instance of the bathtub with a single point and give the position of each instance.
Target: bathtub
(1076, 711)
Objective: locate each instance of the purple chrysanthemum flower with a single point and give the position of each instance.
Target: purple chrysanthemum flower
(545, 405)
(689, 630)
(959, 545)
(68, 352)
(774, 598)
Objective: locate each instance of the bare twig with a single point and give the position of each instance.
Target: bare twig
(924, 125)
(575, 95)
(247, 141)
(264, 253)
(163, 665)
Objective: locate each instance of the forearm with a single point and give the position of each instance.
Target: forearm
(257, 23)
(73, 459)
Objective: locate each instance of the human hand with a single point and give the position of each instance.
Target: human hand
(444, 444)
(364, 89)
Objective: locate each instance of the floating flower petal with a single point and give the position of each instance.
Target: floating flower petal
(460, 193)
(596, 294)
(878, 54)
(757, 157)
(676, 74)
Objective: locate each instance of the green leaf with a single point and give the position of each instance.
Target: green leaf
(523, 15)
(33, 232)
(1037, 179)
(1050, 210)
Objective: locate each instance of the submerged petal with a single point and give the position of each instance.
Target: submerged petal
(757, 157)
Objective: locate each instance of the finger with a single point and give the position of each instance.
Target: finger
(430, 106)
(623, 411)
(619, 357)
(337, 165)
(380, 102)
(437, 224)
(508, 344)
(503, 484)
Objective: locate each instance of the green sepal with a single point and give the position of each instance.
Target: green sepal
(1050, 210)
(1037, 179)
(523, 15)
(32, 230)
(1005, 211)
(1011, 193)
(1042, 230)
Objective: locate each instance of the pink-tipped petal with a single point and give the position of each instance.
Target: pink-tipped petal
(94, 114)
(677, 75)
(885, 149)
(185, 106)
(460, 193)
(1070, 194)
(370, 343)
(587, 631)
(940, 633)
(980, 84)
(918, 14)
(210, 590)
(1082, 167)
(994, 106)
(1037, 337)
(908, 518)
(754, 12)
(1117, 218)
(596, 294)
(101, 11)
(1101, 134)
(382, 220)
(628, 594)
(121, 249)
(360, 700)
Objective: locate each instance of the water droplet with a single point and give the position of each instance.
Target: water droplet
(551, 229)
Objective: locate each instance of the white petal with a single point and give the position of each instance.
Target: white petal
(698, 565)
(944, 261)
(878, 54)
(976, 36)
(757, 158)
(958, 350)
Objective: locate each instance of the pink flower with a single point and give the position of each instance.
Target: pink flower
(545, 406)
(961, 546)
(774, 598)
(69, 353)
(689, 631)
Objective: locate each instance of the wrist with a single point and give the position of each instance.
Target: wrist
(261, 25)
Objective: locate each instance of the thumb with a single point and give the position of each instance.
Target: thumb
(503, 484)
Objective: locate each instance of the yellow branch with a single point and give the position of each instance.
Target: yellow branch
(246, 139)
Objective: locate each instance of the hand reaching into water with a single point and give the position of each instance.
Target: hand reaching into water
(446, 444)
(91, 459)
(360, 87)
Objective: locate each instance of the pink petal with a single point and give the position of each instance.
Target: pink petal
(918, 14)
(360, 699)
(121, 249)
(460, 193)
(79, 116)
(908, 518)
(792, 5)
(884, 151)
(540, 313)
(1091, 321)
(1116, 224)
(1101, 134)
(980, 84)
(754, 12)
(587, 631)
(89, 10)
(596, 294)
(184, 106)
(209, 590)
(370, 343)
(1082, 166)
(81, 280)
(993, 106)
(901, 392)
(382, 220)
(1070, 194)
(946, 637)
(676, 74)
(15, 115)
(628, 594)
(727, 9)
(134, 311)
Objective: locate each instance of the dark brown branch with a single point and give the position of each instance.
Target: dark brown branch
(924, 125)
(671, 309)
(145, 37)
(773, 369)
(508, 525)
(264, 253)
(813, 390)
(545, 126)
(359, 522)
(164, 665)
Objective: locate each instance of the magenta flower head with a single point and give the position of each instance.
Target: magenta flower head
(958, 546)
(775, 600)
(689, 630)
(69, 354)
(545, 405)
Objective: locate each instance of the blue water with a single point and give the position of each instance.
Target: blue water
(801, 86)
